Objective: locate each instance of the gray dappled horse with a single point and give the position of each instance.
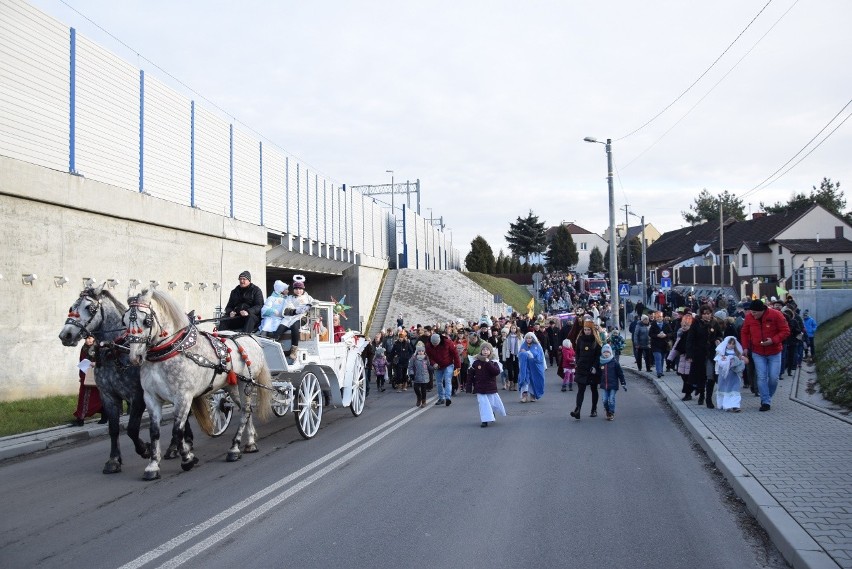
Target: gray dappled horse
(181, 364)
(97, 313)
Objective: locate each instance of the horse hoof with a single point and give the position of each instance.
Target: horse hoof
(112, 467)
(250, 448)
(234, 456)
(187, 466)
(171, 453)
(151, 475)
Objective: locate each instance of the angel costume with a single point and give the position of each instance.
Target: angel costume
(729, 367)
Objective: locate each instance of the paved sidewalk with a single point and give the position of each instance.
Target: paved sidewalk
(792, 466)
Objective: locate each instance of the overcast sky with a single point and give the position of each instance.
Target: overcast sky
(488, 102)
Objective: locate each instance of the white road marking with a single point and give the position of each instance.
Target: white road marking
(377, 434)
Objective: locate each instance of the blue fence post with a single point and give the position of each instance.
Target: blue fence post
(192, 153)
(141, 130)
(261, 182)
(287, 197)
(72, 103)
(298, 206)
(231, 165)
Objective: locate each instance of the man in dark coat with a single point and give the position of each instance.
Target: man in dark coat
(243, 308)
(701, 341)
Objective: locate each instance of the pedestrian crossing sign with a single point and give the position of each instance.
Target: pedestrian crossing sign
(624, 289)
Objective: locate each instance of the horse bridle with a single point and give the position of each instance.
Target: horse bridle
(93, 308)
(134, 330)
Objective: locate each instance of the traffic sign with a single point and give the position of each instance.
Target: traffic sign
(665, 283)
(624, 289)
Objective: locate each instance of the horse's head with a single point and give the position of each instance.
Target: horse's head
(84, 317)
(149, 317)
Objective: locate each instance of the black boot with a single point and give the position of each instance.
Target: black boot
(687, 397)
(710, 395)
(575, 413)
(701, 397)
(594, 412)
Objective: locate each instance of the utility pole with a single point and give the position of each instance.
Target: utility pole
(721, 244)
(626, 236)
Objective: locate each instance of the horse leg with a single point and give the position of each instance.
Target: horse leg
(155, 411)
(234, 453)
(110, 409)
(134, 423)
(251, 434)
(188, 459)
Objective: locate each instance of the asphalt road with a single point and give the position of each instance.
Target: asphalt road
(397, 487)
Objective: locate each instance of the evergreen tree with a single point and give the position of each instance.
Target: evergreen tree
(481, 258)
(706, 208)
(828, 196)
(596, 264)
(515, 265)
(527, 237)
(500, 265)
(562, 253)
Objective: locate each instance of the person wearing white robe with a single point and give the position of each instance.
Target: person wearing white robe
(730, 364)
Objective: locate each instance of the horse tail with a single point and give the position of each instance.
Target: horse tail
(201, 411)
(264, 396)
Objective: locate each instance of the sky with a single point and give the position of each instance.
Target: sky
(487, 102)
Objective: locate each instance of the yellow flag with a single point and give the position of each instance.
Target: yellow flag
(530, 307)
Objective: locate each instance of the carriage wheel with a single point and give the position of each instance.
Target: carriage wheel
(280, 405)
(221, 410)
(359, 390)
(308, 405)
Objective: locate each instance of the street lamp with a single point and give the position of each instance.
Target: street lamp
(613, 253)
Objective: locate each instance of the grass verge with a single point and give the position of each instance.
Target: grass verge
(514, 295)
(34, 414)
(834, 375)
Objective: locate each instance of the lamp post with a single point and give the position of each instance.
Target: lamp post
(613, 253)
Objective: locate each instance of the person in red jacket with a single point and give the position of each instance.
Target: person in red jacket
(444, 358)
(762, 336)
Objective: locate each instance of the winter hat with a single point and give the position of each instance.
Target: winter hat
(566, 343)
(420, 347)
(279, 287)
(645, 318)
(788, 311)
(486, 345)
(380, 351)
(757, 305)
(606, 353)
(589, 324)
(299, 284)
(435, 339)
(806, 312)
(721, 314)
(245, 275)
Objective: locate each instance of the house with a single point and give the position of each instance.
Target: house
(585, 241)
(769, 247)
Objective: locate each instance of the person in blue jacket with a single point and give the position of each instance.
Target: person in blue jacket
(810, 332)
(611, 375)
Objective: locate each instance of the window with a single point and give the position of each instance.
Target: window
(583, 246)
(780, 250)
(745, 261)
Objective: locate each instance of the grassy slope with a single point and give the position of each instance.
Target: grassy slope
(833, 374)
(514, 295)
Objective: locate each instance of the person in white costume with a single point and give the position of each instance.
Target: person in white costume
(730, 364)
(273, 309)
(482, 380)
(297, 303)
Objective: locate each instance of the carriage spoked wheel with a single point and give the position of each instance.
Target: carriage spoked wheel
(280, 402)
(309, 403)
(221, 410)
(359, 390)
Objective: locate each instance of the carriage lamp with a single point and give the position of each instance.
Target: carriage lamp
(187, 285)
(172, 285)
(134, 283)
(112, 283)
(202, 286)
(89, 282)
(60, 281)
(154, 284)
(28, 279)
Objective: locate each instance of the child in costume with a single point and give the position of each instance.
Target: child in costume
(482, 380)
(418, 371)
(380, 366)
(569, 365)
(730, 364)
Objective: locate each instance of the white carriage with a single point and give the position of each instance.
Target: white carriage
(324, 373)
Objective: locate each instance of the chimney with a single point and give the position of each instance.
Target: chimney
(838, 232)
(758, 214)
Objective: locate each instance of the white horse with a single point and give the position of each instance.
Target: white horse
(181, 364)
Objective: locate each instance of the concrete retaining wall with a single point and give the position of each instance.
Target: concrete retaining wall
(823, 304)
(55, 224)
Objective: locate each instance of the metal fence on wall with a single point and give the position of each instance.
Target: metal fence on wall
(70, 105)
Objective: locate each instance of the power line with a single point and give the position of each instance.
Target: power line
(740, 60)
(767, 181)
(655, 117)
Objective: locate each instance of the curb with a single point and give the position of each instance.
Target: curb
(794, 543)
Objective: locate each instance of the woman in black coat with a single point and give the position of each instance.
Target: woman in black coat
(588, 350)
(701, 341)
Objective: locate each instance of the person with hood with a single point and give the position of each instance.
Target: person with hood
(569, 365)
(642, 343)
(273, 310)
(588, 348)
(418, 371)
(511, 347)
(444, 359)
(243, 308)
(730, 364)
(762, 337)
(659, 332)
(810, 331)
(531, 366)
(299, 303)
(400, 354)
(380, 366)
(482, 380)
(611, 375)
